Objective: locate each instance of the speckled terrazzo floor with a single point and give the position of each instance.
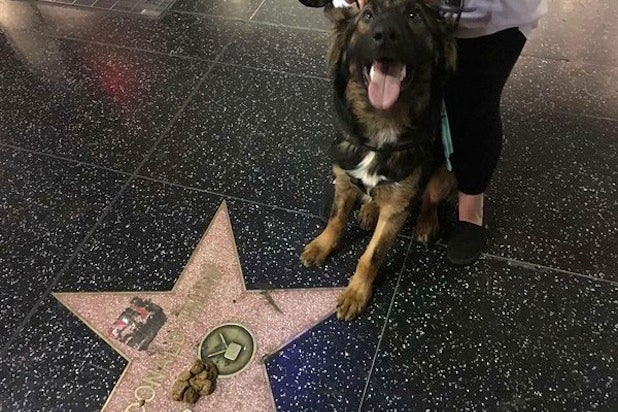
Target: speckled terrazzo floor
(120, 139)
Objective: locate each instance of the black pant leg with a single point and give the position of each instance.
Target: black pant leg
(473, 104)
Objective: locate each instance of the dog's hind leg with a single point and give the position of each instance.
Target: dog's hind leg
(354, 299)
(346, 194)
(441, 184)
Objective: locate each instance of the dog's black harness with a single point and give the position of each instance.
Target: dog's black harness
(382, 151)
(447, 147)
(410, 145)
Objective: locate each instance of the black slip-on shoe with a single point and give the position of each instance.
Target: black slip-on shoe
(466, 244)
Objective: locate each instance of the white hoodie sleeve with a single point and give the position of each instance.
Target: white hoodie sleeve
(490, 16)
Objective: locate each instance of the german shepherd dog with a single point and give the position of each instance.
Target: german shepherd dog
(389, 62)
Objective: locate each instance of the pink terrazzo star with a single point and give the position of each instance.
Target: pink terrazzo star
(209, 292)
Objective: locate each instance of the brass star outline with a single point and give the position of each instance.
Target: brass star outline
(209, 292)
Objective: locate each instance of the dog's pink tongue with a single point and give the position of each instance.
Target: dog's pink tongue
(384, 84)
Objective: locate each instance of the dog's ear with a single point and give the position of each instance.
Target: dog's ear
(448, 50)
(340, 16)
(342, 19)
(446, 58)
(444, 40)
(450, 54)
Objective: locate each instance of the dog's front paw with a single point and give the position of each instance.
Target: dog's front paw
(315, 253)
(353, 300)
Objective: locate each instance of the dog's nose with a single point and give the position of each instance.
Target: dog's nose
(383, 35)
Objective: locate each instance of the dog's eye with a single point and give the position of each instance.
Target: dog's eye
(368, 16)
(414, 16)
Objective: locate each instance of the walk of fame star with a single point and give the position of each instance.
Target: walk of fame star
(161, 333)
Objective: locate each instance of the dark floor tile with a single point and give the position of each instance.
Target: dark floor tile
(496, 337)
(94, 104)
(561, 307)
(58, 363)
(228, 8)
(197, 36)
(253, 134)
(325, 369)
(270, 242)
(553, 198)
(279, 48)
(126, 6)
(144, 242)
(267, 46)
(147, 238)
(104, 4)
(46, 208)
(538, 84)
(583, 31)
(292, 13)
(200, 37)
(543, 373)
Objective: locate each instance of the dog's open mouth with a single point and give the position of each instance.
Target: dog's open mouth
(384, 82)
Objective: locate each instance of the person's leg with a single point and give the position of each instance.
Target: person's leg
(473, 105)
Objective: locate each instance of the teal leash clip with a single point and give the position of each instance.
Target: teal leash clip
(447, 142)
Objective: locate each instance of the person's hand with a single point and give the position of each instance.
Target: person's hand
(361, 3)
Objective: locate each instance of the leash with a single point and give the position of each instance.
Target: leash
(447, 141)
